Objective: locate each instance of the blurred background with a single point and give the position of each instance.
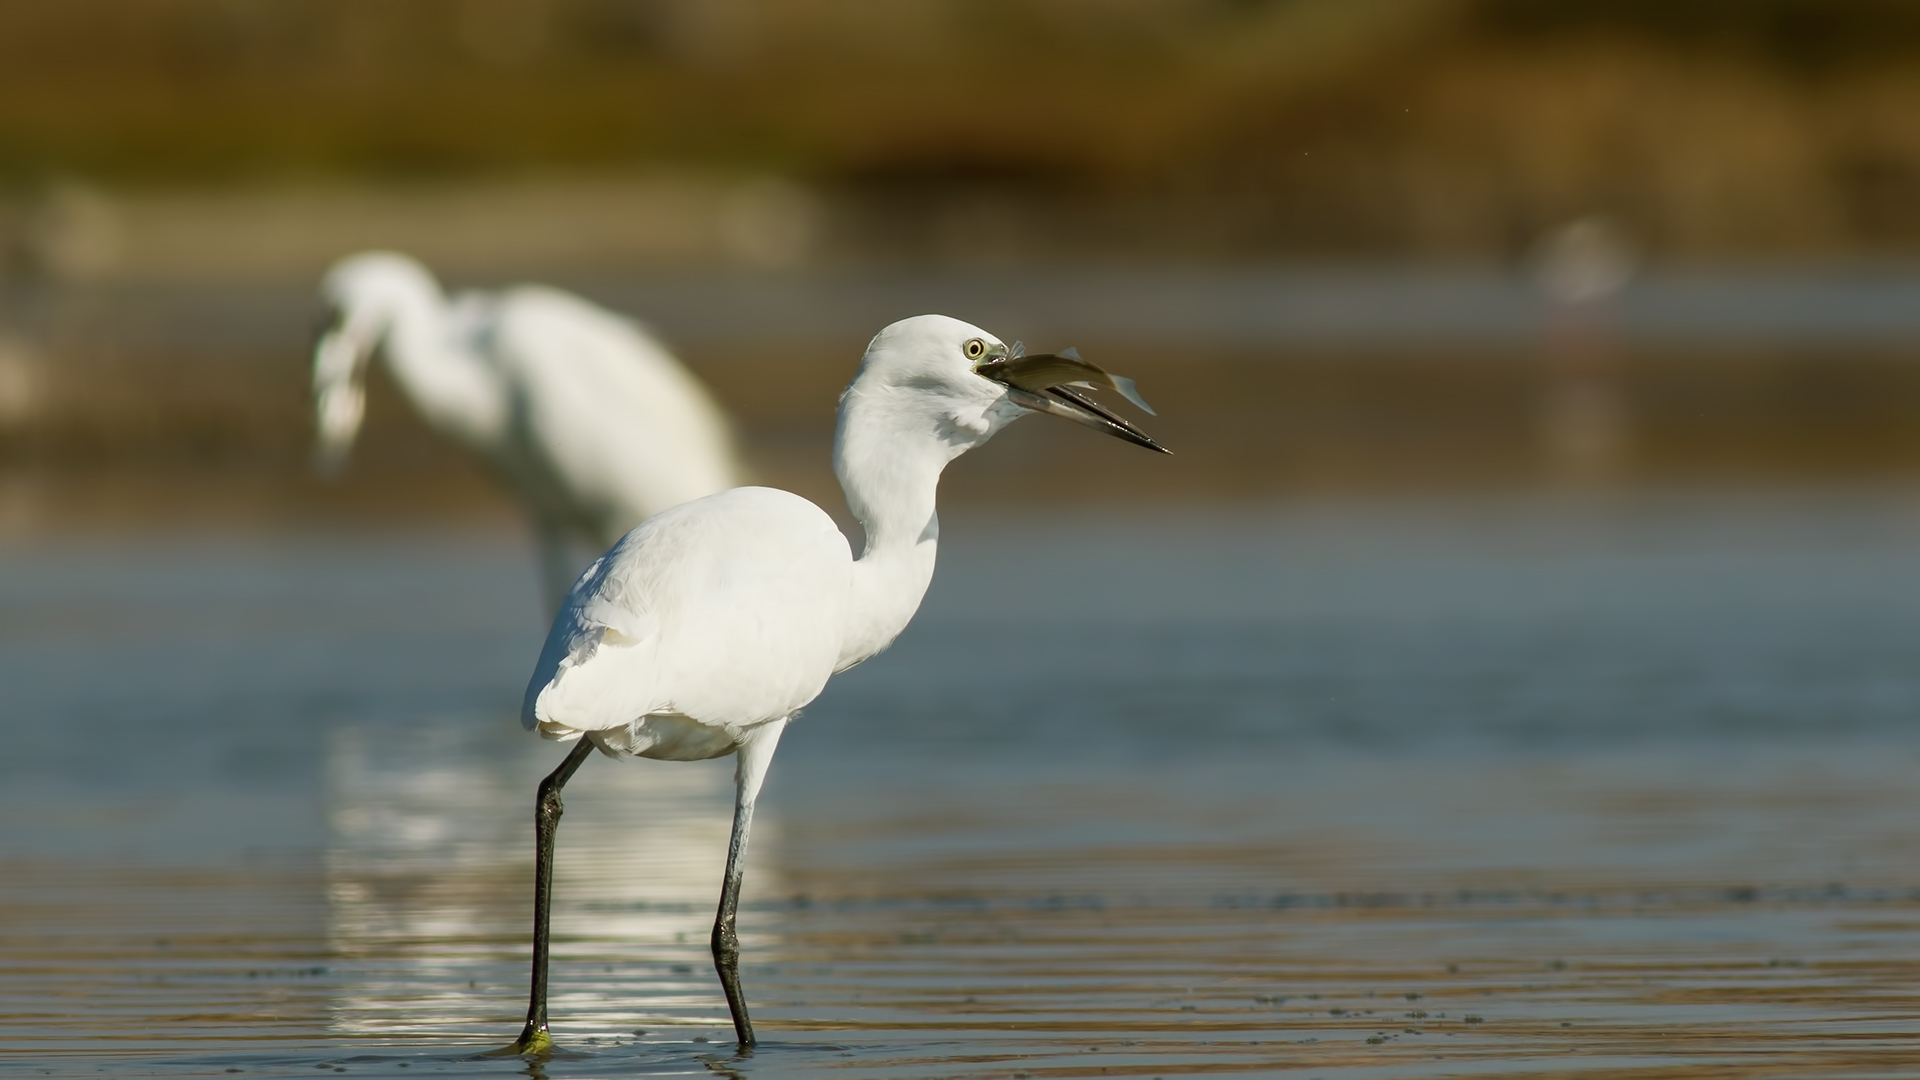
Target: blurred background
(1345, 242)
(1528, 624)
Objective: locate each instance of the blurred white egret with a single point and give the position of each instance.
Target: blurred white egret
(703, 631)
(588, 419)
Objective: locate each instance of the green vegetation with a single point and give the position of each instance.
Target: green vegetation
(1442, 126)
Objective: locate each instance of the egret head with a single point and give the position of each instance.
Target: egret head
(363, 295)
(969, 384)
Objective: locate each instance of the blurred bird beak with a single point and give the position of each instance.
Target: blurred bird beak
(1044, 382)
(339, 393)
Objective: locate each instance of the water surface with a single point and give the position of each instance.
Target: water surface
(1620, 785)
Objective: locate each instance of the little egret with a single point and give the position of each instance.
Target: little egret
(590, 421)
(705, 629)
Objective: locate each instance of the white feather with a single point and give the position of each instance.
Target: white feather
(724, 611)
(587, 418)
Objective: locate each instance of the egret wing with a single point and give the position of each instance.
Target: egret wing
(597, 613)
(620, 423)
(727, 610)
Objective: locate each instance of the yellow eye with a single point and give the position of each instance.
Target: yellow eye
(976, 348)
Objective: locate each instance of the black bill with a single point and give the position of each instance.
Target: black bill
(1045, 383)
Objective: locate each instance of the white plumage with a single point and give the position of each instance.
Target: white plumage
(722, 612)
(704, 629)
(588, 420)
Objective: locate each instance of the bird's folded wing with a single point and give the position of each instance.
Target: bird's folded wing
(727, 610)
(574, 684)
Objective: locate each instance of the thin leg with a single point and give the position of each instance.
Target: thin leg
(756, 753)
(546, 818)
(726, 942)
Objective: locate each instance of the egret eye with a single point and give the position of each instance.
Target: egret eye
(975, 348)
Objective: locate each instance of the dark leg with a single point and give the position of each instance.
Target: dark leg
(726, 943)
(546, 816)
(756, 753)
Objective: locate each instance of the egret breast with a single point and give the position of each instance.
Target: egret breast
(669, 737)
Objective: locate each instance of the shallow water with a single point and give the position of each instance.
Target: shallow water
(1616, 785)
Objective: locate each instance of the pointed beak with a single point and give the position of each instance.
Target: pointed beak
(339, 393)
(1047, 383)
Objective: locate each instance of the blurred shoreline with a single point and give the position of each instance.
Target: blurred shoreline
(152, 403)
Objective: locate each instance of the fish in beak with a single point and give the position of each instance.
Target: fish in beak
(340, 354)
(1046, 382)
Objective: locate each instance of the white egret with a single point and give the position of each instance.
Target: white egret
(704, 630)
(589, 420)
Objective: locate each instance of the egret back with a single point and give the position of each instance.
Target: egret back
(726, 611)
(615, 420)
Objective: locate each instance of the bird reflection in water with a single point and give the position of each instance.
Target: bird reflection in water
(426, 888)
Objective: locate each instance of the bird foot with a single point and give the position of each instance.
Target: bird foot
(533, 1042)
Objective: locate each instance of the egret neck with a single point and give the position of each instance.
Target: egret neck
(891, 444)
(445, 384)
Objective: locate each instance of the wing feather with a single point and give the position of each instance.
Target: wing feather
(630, 430)
(726, 610)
